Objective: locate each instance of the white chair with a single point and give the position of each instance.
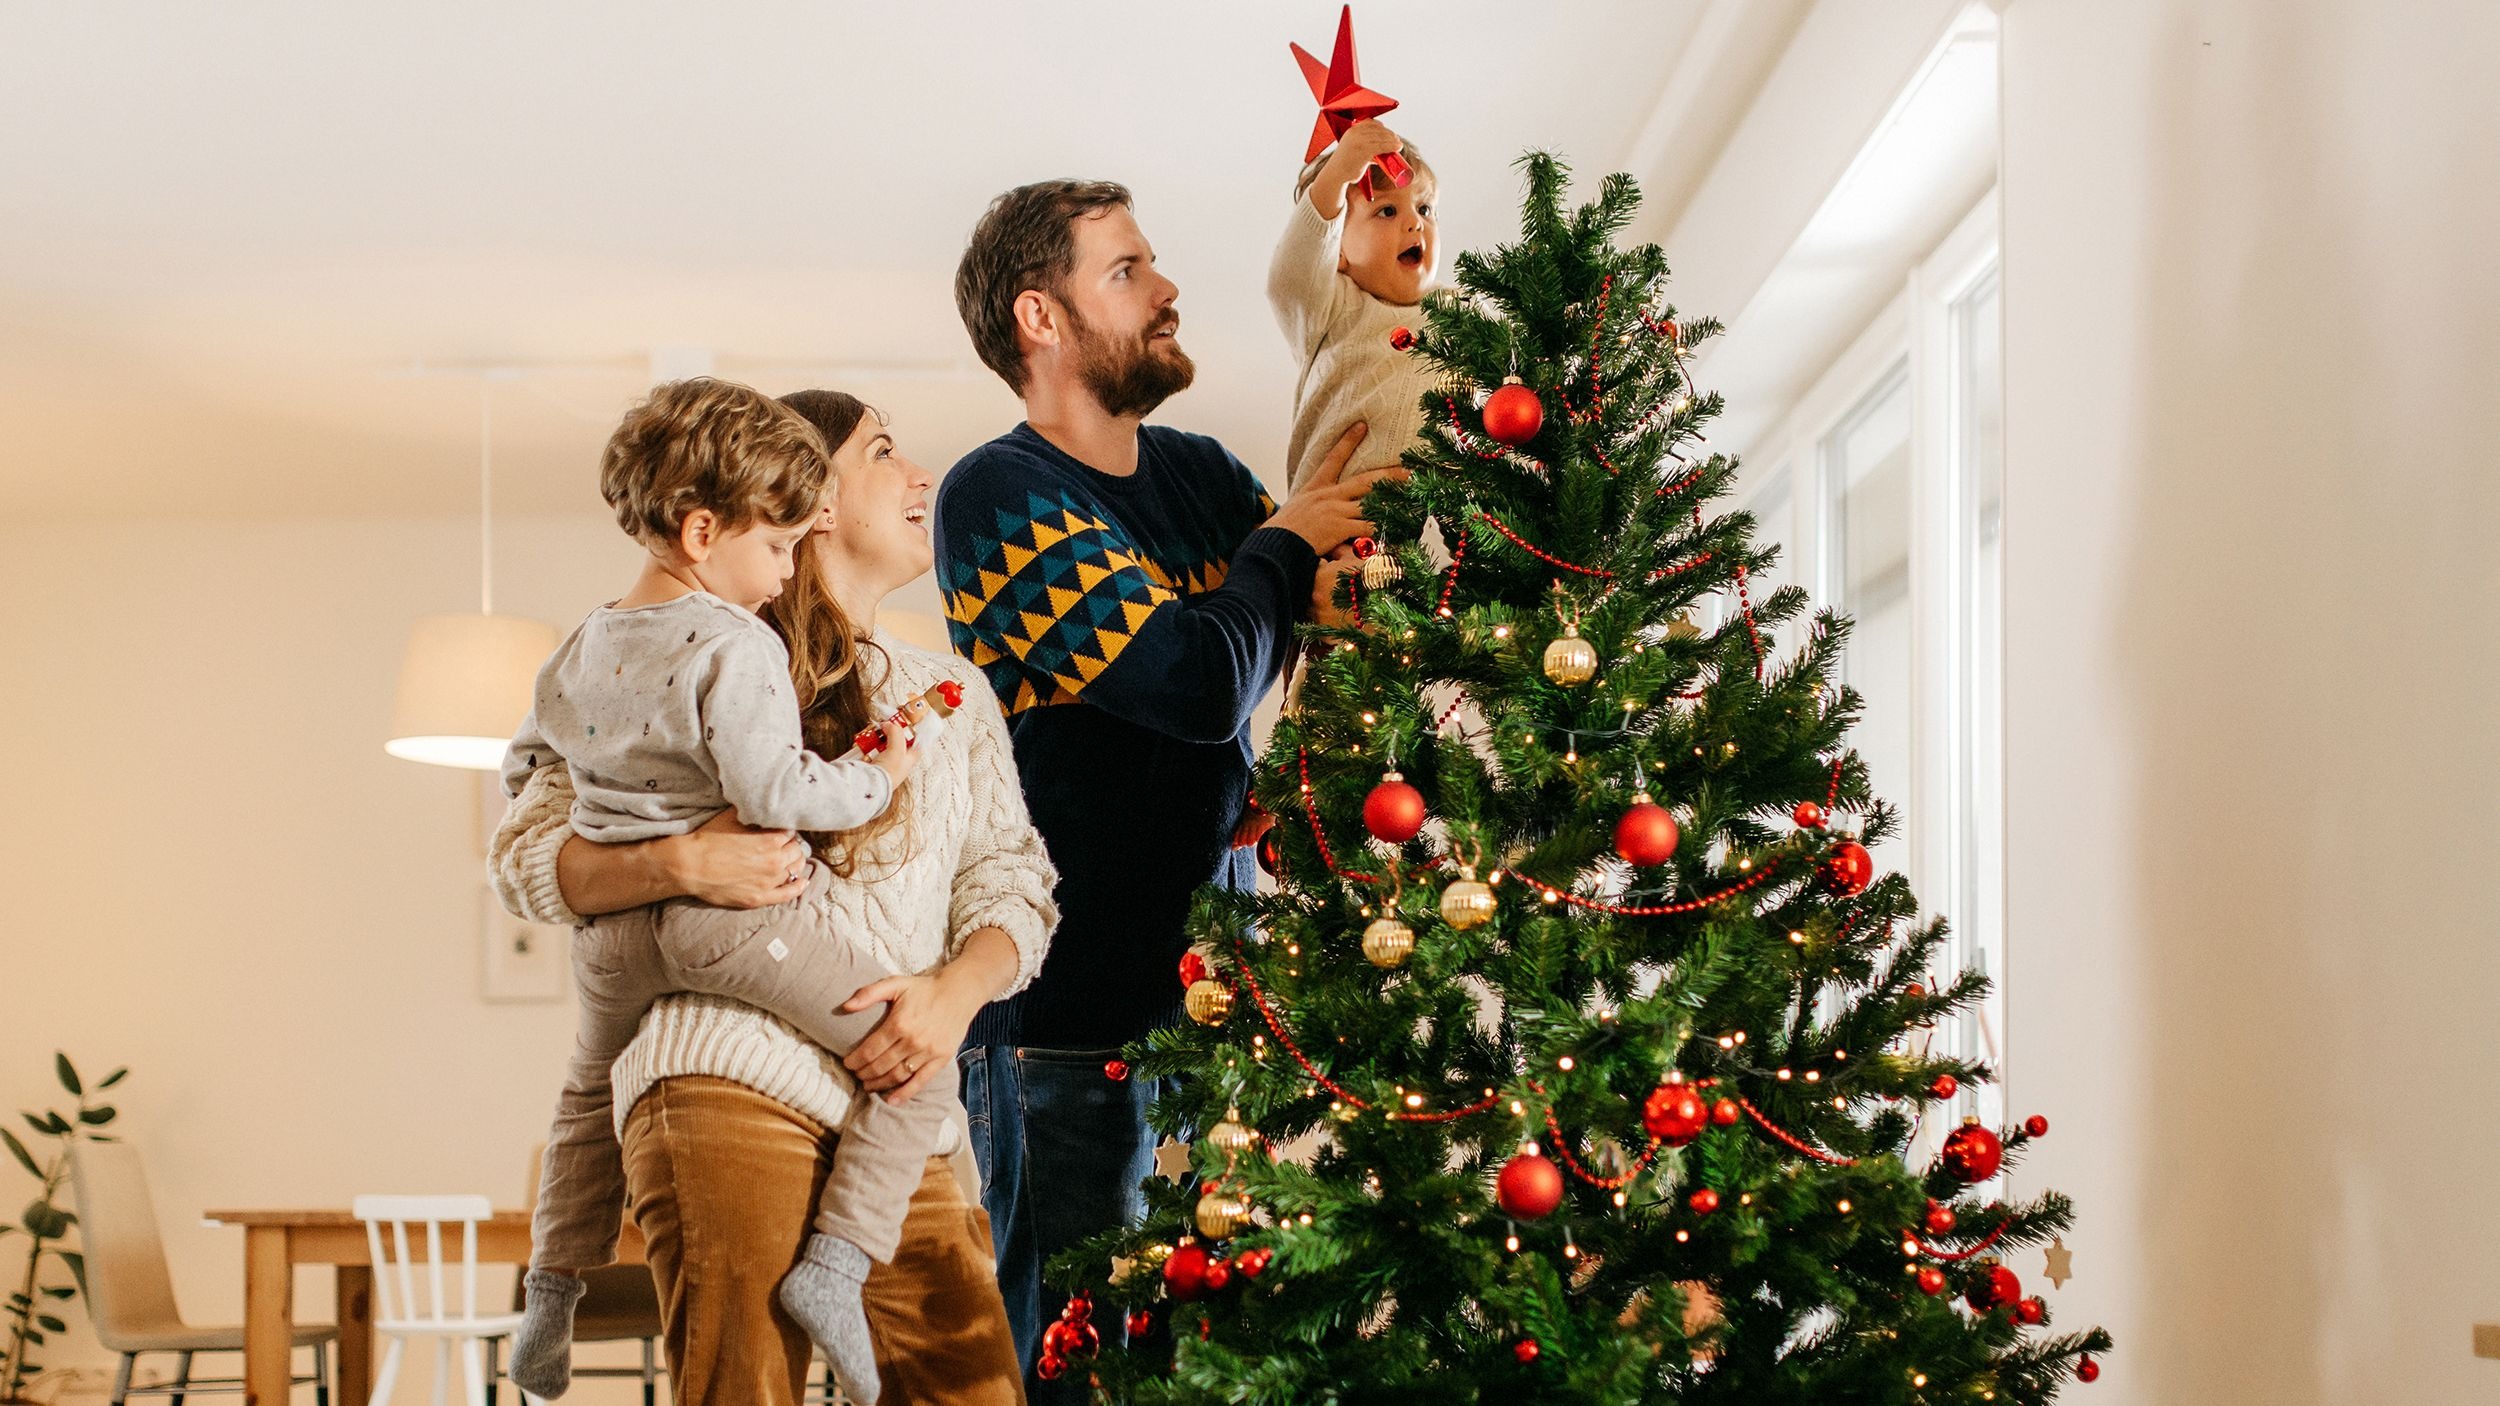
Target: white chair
(130, 1290)
(397, 1313)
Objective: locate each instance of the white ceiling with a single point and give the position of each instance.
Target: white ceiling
(227, 231)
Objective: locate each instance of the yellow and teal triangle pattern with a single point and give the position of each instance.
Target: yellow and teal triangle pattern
(1048, 599)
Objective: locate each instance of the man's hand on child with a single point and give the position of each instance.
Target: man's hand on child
(1326, 511)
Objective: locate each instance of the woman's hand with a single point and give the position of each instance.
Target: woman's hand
(728, 863)
(927, 1016)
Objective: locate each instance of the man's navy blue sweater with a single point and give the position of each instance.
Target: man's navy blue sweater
(1129, 624)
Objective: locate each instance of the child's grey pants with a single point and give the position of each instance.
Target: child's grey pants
(786, 960)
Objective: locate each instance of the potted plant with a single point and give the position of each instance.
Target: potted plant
(35, 1305)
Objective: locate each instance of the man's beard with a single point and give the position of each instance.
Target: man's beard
(1130, 378)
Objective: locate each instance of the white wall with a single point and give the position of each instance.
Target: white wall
(215, 876)
(2253, 317)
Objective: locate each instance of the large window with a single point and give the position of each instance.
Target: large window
(1884, 488)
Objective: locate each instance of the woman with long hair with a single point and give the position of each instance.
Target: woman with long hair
(730, 1114)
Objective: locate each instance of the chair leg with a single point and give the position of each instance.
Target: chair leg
(442, 1371)
(182, 1378)
(494, 1368)
(388, 1376)
(321, 1374)
(650, 1373)
(121, 1379)
(471, 1358)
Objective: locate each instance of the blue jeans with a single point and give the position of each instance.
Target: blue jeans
(1064, 1150)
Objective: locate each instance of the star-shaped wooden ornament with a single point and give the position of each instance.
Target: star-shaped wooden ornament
(2061, 1262)
(1172, 1160)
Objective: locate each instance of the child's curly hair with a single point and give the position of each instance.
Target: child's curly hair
(705, 443)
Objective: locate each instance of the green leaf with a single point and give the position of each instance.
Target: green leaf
(51, 1324)
(96, 1117)
(114, 1078)
(24, 1157)
(67, 1071)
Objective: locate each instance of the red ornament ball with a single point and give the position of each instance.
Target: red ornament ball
(1669, 331)
(1271, 856)
(1219, 1276)
(1525, 1350)
(1253, 1263)
(1972, 1153)
(1193, 969)
(2087, 1370)
(1703, 1201)
(1930, 1279)
(1079, 1308)
(1514, 414)
(1940, 1218)
(1725, 1113)
(1394, 811)
(1529, 1187)
(1401, 338)
(2030, 1311)
(1140, 1322)
(1115, 1069)
(1075, 1342)
(1674, 1114)
(1946, 1086)
(1808, 815)
(1049, 1368)
(1996, 1287)
(1849, 870)
(1185, 1272)
(1647, 833)
(2036, 1125)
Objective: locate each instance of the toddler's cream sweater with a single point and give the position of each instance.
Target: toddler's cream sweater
(1340, 335)
(965, 857)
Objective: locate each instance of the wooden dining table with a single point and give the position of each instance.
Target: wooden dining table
(275, 1242)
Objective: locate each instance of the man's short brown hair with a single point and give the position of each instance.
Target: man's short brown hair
(704, 443)
(1026, 240)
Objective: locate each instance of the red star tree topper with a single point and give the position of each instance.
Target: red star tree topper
(1344, 101)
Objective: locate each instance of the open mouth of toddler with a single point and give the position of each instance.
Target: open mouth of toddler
(1412, 256)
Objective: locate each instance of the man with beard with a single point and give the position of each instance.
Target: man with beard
(1131, 592)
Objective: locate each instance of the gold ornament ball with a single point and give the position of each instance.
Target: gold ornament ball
(1570, 659)
(1467, 903)
(1388, 942)
(1222, 1215)
(1208, 1001)
(1380, 569)
(1231, 1135)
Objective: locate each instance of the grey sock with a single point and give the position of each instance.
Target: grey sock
(542, 1347)
(823, 1293)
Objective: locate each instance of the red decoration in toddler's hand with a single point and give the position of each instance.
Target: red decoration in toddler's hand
(1344, 101)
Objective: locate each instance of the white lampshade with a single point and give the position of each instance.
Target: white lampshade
(464, 687)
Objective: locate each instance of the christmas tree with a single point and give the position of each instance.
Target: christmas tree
(1579, 977)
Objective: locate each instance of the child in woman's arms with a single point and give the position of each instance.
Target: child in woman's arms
(670, 706)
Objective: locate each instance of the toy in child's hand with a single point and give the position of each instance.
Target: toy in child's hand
(1344, 101)
(943, 700)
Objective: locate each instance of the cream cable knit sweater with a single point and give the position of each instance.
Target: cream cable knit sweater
(967, 857)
